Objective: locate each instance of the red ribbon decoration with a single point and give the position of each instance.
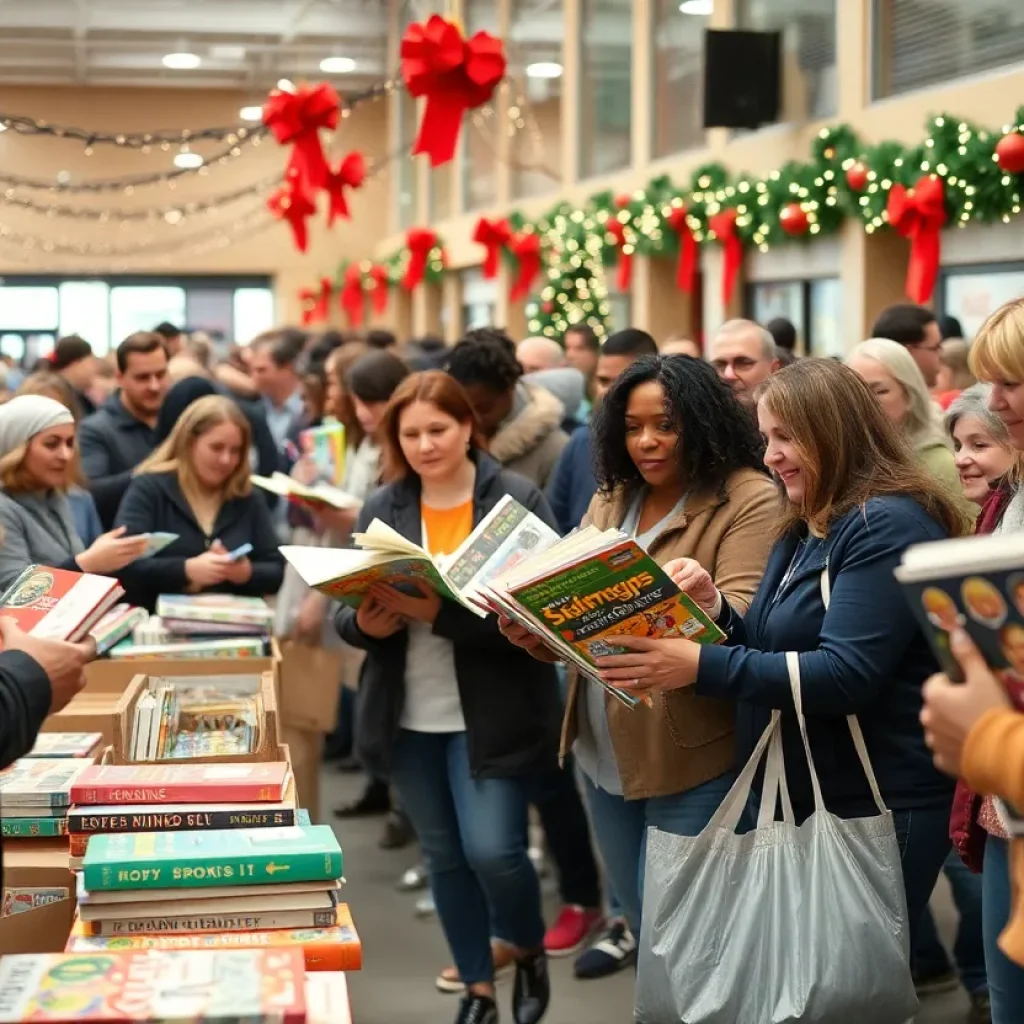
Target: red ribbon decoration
(454, 74)
(288, 204)
(296, 118)
(918, 214)
(493, 235)
(525, 246)
(351, 173)
(316, 304)
(352, 295)
(381, 279)
(686, 268)
(419, 242)
(624, 274)
(724, 226)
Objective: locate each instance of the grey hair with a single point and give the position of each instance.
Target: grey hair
(974, 402)
(768, 349)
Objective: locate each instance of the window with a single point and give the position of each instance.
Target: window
(142, 307)
(253, 310)
(972, 293)
(808, 30)
(771, 299)
(85, 311)
(479, 299)
(620, 310)
(826, 334)
(27, 308)
(677, 70)
(814, 307)
(480, 127)
(535, 67)
(918, 43)
(605, 63)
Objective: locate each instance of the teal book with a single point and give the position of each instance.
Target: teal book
(186, 860)
(25, 828)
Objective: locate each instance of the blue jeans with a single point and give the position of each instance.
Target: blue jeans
(1005, 978)
(620, 826)
(929, 957)
(474, 840)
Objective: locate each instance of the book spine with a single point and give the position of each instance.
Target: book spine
(190, 821)
(19, 827)
(110, 928)
(33, 799)
(211, 871)
(177, 793)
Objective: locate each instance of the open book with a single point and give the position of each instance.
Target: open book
(508, 534)
(315, 495)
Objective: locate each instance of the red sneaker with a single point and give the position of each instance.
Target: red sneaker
(571, 930)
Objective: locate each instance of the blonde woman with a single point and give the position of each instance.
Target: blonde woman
(197, 485)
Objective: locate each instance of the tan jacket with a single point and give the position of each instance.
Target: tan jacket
(685, 740)
(531, 443)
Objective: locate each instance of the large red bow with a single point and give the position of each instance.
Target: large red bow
(316, 303)
(351, 173)
(724, 226)
(686, 267)
(493, 235)
(525, 247)
(352, 295)
(419, 242)
(296, 118)
(454, 74)
(381, 280)
(296, 207)
(918, 214)
(624, 274)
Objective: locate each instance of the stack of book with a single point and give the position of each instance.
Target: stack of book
(35, 794)
(117, 625)
(66, 744)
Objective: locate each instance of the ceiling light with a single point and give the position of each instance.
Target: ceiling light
(544, 69)
(337, 65)
(181, 61)
(251, 113)
(188, 161)
(702, 8)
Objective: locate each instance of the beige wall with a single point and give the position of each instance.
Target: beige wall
(269, 252)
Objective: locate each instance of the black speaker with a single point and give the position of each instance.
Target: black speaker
(742, 78)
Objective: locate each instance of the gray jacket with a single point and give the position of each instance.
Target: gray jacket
(36, 528)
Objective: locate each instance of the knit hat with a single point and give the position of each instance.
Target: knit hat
(24, 416)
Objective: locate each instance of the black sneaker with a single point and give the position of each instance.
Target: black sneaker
(936, 984)
(476, 1009)
(375, 799)
(615, 949)
(981, 1009)
(531, 990)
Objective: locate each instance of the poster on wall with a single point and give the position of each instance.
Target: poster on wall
(972, 297)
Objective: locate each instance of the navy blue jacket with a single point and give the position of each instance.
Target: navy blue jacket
(572, 483)
(865, 656)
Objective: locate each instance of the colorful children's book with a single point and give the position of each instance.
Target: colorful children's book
(178, 860)
(190, 647)
(182, 783)
(41, 780)
(313, 496)
(325, 446)
(65, 744)
(218, 608)
(254, 986)
(17, 900)
(117, 624)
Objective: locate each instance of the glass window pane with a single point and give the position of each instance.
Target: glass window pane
(918, 43)
(779, 298)
(142, 307)
(620, 311)
(479, 299)
(253, 313)
(480, 127)
(26, 308)
(677, 89)
(826, 337)
(972, 296)
(85, 311)
(535, 35)
(808, 30)
(606, 58)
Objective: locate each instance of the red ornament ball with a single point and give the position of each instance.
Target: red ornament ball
(547, 308)
(793, 220)
(1010, 153)
(857, 177)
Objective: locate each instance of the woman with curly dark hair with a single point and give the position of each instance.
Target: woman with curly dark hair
(678, 466)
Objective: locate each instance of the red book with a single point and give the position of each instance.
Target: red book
(58, 604)
(264, 781)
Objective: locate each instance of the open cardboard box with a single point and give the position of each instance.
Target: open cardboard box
(38, 864)
(310, 680)
(87, 712)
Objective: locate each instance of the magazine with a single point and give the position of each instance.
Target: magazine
(325, 447)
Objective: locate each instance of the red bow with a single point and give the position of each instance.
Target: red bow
(724, 226)
(352, 295)
(296, 207)
(624, 276)
(381, 279)
(493, 235)
(419, 242)
(686, 268)
(918, 214)
(351, 173)
(454, 74)
(315, 304)
(296, 118)
(525, 247)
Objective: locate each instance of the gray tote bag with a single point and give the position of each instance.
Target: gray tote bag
(786, 923)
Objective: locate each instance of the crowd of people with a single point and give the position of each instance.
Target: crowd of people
(779, 491)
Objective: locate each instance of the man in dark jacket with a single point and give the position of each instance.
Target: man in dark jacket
(37, 677)
(114, 440)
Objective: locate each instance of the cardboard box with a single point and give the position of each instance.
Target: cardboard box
(87, 712)
(310, 680)
(38, 864)
(306, 750)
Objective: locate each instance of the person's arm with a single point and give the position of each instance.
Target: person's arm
(993, 758)
(864, 635)
(15, 555)
(161, 573)
(561, 487)
(267, 562)
(745, 546)
(25, 697)
(106, 486)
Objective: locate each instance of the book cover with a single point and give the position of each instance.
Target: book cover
(178, 860)
(56, 603)
(209, 903)
(17, 900)
(228, 608)
(262, 781)
(176, 817)
(325, 447)
(117, 624)
(65, 744)
(318, 495)
(189, 647)
(25, 828)
(337, 948)
(46, 781)
(34, 810)
(230, 985)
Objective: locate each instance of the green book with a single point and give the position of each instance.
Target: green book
(186, 860)
(11, 828)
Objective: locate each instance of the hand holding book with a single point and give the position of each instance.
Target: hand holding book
(423, 604)
(651, 664)
(376, 621)
(64, 663)
(112, 551)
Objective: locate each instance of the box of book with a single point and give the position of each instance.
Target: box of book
(87, 713)
(38, 903)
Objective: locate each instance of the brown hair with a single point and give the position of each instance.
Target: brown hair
(175, 453)
(850, 450)
(49, 385)
(435, 387)
(954, 355)
(141, 343)
(339, 362)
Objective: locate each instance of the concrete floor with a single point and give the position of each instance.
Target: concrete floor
(402, 954)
